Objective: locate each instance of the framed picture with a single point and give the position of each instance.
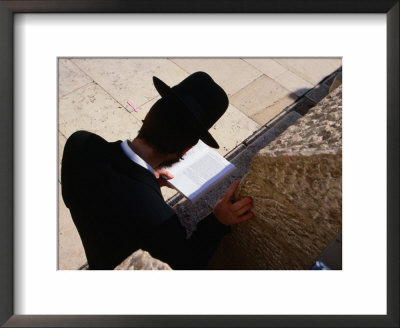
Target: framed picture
(13, 272)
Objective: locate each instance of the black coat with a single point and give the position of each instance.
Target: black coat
(118, 208)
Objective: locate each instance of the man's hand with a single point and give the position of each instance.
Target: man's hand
(162, 176)
(230, 213)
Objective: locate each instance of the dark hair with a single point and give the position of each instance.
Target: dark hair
(167, 129)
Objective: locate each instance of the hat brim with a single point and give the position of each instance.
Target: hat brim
(166, 92)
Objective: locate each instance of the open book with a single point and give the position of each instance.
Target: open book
(201, 169)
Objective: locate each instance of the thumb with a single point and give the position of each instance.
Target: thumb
(166, 175)
(231, 190)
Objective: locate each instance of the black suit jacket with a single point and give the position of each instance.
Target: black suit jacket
(118, 208)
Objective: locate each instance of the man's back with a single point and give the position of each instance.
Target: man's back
(118, 208)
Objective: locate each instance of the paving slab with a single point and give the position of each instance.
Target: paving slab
(312, 70)
(71, 254)
(231, 129)
(70, 77)
(265, 116)
(61, 143)
(91, 108)
(266, 65)
(168, 193)
(262, 95)
(144, 109)
(294, 83)
(131, 78)
(232, 74)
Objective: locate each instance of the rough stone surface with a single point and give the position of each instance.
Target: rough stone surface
(142, 260)
(295, 183)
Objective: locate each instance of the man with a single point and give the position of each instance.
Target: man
(113, 189)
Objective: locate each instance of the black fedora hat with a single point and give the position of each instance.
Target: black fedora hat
(201, 97)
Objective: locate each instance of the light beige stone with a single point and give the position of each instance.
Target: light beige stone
(232, 74)
(70, 77)
(131, 78)
(259, 96)
(168, 193)
(91, 108)
(71, 254)
(293, 83)
(231, 129)
(142, 260)
(144, 109)
(61, 144)
(312, 70)
(268, 66)
(267, 114)
(296, 186)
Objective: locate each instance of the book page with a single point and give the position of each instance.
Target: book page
(199, 171)
(193, 155)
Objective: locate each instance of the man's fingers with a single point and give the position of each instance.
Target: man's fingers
(245, 217)
(244, 209)
(240, 203)
(165, 174)
(231, 190)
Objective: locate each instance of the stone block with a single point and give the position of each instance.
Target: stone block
(144, 109)
(70, 77)
(61, 143)
(236, 151)
(268, 66)
(296, 186)
(316, 94)
(131, 78)
(302, 106)
(268, 114)
(294, 83)
(91, 108)
(313, 70)
(231, 129)
(232, 74)
(283, 121)
(168, 193)
(262, 99)
(142, 260)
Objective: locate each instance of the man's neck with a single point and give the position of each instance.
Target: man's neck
(146, 152)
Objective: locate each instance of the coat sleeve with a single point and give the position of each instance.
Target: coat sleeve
(169, 243)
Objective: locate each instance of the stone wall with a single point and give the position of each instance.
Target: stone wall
(142, 260)
(296, 186)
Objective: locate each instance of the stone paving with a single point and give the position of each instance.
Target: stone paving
(93, 95)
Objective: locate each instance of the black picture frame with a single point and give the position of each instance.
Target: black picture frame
(7, 11)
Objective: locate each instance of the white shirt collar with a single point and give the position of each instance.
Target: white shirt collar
(134, 157)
